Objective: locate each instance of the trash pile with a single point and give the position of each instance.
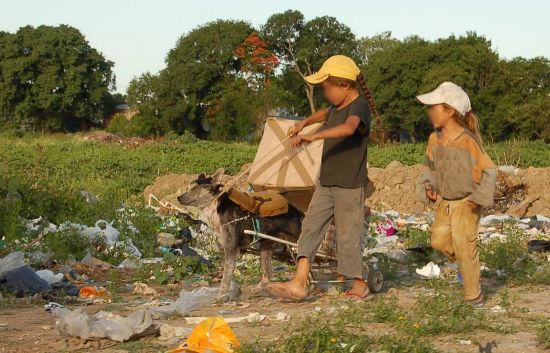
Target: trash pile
(388, 234)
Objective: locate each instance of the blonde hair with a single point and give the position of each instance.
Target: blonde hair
(469, 121)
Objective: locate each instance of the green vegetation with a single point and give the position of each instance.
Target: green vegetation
(258, 71)
(44, 175)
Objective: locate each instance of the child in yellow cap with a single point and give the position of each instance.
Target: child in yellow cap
(340, 192)
(457, 169)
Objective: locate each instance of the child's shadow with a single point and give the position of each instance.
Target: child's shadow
(488, 347)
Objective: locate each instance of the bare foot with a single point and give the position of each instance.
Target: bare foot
(288, 290)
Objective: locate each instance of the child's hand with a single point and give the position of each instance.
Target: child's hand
(298, 140)
(431, 193)
(296, 129)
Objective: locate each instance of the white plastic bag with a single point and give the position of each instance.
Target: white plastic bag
(103, 324)
(49, 276)
(189, 301)
(11, 262)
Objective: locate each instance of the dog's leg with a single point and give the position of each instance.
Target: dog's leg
(231, 252)
(266, 253)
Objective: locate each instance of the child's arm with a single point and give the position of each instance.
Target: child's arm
(343, 130)
(426, 190)
(484, 176)
(317, 117)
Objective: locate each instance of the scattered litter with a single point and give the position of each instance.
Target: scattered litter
(52, 305)
(508, 169)
(22, 281)
(252, 317)
(11, 262)
(282, 316)
(538, 245)
(431, 270)
(166, 239)
(92, 292)
(542, 218)
(49, 277)
(386, 228)
(493, 220)
(211, 335)
(104, 324)
(398, 255)
(168, 331)
(143, 289)
(188, 301)
(498, 309)
(127, 263)
(465, 342)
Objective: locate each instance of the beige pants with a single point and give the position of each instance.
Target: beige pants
(347, 208)
(454, 233)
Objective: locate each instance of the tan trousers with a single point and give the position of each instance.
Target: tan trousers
(454, 233)
(347, 208)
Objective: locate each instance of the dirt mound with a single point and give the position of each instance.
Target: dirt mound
(520, 194)
(168, 187)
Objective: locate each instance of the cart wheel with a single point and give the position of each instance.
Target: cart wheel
(375, 281)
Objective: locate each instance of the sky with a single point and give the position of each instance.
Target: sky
(137, 34)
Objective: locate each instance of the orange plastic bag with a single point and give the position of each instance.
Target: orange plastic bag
(211, 335)
(92, 292)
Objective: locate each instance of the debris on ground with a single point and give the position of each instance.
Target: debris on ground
(144, 289)
(188, 301)
(431, 270)
(92, 292)
(104, 324)
(211, 335)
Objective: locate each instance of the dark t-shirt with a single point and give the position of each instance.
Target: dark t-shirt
(344, 160)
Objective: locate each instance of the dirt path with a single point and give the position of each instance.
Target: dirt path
(28, 328)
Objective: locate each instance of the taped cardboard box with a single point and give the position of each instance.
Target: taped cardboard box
(280, 167)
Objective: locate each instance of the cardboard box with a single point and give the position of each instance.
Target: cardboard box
(280, 167)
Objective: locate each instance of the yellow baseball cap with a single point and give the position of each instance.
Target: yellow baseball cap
(338, 66)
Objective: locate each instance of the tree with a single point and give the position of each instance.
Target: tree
(52, 79)
(144, 95)
(377, 43)
(303, 46)
(195, 70)
(258, 63)
(399, 73)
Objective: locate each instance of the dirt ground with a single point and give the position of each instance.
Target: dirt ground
(27, 328)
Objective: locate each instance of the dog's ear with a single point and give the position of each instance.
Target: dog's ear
(217, 176)
(202, 179)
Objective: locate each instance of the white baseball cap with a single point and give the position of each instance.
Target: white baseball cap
(448, 93)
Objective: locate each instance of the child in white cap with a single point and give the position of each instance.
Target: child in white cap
(457, 169)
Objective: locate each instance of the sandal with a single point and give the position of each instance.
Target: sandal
(365, 297)
(283, 291)
(477, 302)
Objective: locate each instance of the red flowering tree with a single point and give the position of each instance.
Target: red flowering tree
(258, 63)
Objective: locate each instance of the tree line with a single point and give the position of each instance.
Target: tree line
(222, 79)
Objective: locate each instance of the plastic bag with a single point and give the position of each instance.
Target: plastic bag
(211, 335)
(22, 281)
(103, 324)
(49, 276)
(11, 262)
(92, 292)
(189, 301)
